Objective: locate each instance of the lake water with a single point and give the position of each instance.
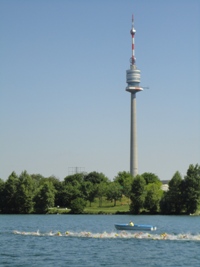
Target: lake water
(92, 240)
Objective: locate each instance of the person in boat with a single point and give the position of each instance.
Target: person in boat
(131, 223)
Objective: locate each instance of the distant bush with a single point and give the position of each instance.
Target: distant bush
(77, 206)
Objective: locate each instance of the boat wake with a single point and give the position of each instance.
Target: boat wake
(122, 234)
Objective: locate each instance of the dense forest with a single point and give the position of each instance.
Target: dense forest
(33, 193)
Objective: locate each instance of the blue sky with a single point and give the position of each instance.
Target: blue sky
(63, 102)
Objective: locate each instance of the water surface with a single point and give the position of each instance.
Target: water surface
(92, 240)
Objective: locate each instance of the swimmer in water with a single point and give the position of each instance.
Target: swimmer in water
(36, 233)
(163, 235)
(58, 234)
(50, 233)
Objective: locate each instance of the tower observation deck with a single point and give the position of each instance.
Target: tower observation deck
(133, 86)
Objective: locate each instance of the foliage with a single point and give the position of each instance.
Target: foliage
(153, 196)
(151, 178)
(9, 195)
(101, 192)
(71, 188)
(37, 179)
(77, 205)
(114, 192)
(1, 193)
(89, 191)
(138, 194)
(96, 178)
(165, 204)
(25, 193)
(36, 194)
(183, 195)
(125, 179)
(70, 193)
(74, 180)
(172, 201)
(44, 198)
(1, 183)
(191, 189)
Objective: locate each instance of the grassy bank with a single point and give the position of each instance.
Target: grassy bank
(107, 207)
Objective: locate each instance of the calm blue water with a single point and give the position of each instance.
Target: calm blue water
(92, 240)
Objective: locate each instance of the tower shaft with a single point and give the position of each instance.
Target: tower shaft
(133, 137)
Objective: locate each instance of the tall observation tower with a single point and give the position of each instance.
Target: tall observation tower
(133, 86)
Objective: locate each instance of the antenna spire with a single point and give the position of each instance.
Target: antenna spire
(133, 31)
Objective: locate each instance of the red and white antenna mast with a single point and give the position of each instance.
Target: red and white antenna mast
(133, 31)
(133, 74)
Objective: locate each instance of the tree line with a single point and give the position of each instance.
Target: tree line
(33, 193)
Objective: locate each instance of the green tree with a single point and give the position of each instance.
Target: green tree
(77, 205)
(151, 178)
(25, 193)
(137, 194)
(9, 195)
(191, 189)
(44, 198)
(70, 193)
(153, 197)
(60, 195)
(89, 191)
(96, 178)
(165, 207)
(58, 186)
(171, 202)
(114, 192)
(2, 184)
(175, 193)
(101, 192)
(37, 179)
(74, 179)
(125, 179)
(71, 189)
